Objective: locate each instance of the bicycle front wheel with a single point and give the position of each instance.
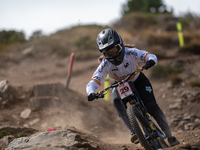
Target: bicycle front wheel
(137, 129)
(145, 128)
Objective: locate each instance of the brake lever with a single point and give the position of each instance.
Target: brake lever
(98, 95)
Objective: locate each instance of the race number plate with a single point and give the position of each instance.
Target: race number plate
(124, 90)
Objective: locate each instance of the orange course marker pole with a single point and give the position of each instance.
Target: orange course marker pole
(70, 69)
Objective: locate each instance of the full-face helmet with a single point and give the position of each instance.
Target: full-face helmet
(111, 45)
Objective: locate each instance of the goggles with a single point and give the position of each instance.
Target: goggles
(113, 52)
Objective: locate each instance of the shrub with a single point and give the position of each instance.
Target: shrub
(4, 133)
(193, 48)
(194, 83)
(175, 79)
(11, 36)
(161, 71)
(166, 39)
(85, 42)
(137, 21)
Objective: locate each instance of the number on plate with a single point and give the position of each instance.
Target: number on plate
(124, 90)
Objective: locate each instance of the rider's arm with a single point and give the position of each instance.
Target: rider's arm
(91, 87)
(98, 77)
(144, 56)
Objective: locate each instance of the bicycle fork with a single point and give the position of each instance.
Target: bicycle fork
(155, 133)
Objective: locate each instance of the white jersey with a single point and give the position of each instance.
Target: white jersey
(132, 57)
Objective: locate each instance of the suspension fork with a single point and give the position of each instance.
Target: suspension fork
(155, 133)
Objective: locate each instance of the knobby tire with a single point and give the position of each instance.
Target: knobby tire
(153, 142)
(137, 129)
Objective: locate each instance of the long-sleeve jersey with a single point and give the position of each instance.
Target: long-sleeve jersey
(130, 62)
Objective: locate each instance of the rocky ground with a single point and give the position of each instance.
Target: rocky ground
(34, 101)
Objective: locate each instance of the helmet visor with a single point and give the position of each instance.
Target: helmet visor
(113, 52)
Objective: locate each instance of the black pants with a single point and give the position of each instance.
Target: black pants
(145, 91)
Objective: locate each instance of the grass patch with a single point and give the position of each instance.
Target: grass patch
(4, 133)
(161, 71)
(175, 79)
(195, 83)
(85, 43)
(193, 48)
(165, 39)
(16, 132)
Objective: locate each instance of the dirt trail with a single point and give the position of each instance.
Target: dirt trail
(98, 117)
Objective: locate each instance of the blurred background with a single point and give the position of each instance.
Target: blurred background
(65, 26)
(36, 41)
(49, 16)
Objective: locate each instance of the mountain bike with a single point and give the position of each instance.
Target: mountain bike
(150, 135)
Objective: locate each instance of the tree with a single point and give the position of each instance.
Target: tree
(152, 6)
(36, 34)
(11, 36)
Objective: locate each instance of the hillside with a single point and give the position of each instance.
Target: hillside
(36, 74)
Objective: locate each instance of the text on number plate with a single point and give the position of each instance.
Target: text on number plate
(124, 90)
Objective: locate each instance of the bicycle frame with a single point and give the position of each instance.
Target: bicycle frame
(127, 90)
(139, 104)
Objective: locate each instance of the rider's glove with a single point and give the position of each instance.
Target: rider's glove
(149, 64)
(91, 97)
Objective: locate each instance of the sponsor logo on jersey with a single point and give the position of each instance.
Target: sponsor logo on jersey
(126, 65)
(96, 77)
(131, 53)
(114, 69)
(102, 67)
(142, 57)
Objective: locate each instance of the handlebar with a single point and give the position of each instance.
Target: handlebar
(101, 93)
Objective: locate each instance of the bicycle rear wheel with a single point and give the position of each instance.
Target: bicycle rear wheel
(137, 129)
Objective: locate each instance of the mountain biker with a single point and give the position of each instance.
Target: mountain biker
(118, 61)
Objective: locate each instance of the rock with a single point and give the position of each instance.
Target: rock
(25, 125)
(26, 113)
(197, 120)
(34, 121)
(5, 141)
(124, 148)
(186, 146)
(5, 103)
(188, 126)
(187, 118)
(28, 51)
(52, 140)
(3, 86)
(10, 133)
(180, 125)
(196, 126)
(175, 106)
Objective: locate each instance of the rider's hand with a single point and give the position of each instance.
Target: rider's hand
(91, 97)
(149, 64)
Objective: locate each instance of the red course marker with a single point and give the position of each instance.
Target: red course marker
(70, 69)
